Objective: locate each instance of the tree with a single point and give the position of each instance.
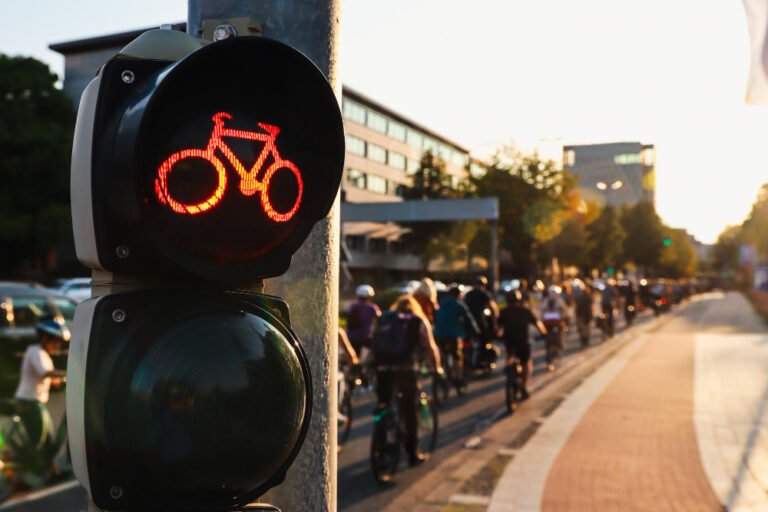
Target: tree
(755, 227)
(644, 235)
(678, 258)
(36, 125)
(572, 245)
(725, 253)
(534, 197)
(607, 237)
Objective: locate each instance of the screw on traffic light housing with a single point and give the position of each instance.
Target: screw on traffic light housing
(194, 168)
(215, 166)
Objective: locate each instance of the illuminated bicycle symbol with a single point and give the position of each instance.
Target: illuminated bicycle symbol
(249, 185)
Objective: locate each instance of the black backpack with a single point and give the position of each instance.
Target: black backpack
(393, 339)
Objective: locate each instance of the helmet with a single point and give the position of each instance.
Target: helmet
(365, 291)
(481, 281)
(53, 329)
(554, 290)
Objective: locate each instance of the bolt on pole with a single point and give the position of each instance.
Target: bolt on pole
(311, 286)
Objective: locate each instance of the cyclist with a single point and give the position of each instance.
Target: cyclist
(608, 301)
(451, 321)
(426, 296)
(584, 312)
(361, 319)
(37, 375)
(514, 321)
(400, 333)
(485, 312)
(554, 314)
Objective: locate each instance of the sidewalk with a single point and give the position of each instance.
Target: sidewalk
(675, 421)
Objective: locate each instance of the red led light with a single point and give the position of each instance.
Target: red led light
(249, 183)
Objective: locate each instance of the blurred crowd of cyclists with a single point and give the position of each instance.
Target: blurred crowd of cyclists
(458, 332)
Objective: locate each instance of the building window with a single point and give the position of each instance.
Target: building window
(627, 159)
(377, 153)
(378, 245)
(397, 160)
(649, 159)
(377, 122)
(444, 152)
(355, 145)
(415, 139)
(356, 178)
(377, 184)
(396, 131)
(354, 111)
(355, 242)
(413, 167)
(459, 159)
(431, 145)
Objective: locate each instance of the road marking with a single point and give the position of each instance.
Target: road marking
(469, 499)
(38, 495)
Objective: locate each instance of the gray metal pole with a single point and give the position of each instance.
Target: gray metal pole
(311, 286)
(493, 260)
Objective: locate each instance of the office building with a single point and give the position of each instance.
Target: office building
(621, 173)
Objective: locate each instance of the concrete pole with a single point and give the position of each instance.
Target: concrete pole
(311, 286)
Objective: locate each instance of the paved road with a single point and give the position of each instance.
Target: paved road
(358, 491)
(677, 420)
(459, 420)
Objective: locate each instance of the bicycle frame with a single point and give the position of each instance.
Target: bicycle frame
(249, 184)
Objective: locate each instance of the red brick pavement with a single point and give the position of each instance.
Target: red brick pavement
(635, 448)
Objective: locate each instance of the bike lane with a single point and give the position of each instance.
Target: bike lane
(676, 421)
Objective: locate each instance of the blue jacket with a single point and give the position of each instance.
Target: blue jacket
(451, 319)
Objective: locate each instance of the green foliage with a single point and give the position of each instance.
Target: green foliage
(607, 236)
(644, 234)
(678, 259)
(572, 245)
(36, 125)
(534, 198)
(725, 253)
(755, 227)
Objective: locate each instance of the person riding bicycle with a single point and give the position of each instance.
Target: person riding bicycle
(403, 333)
(584, 311)
(426, 296)
(484, 310)
(514, 321)
(609, 298)
(451, 321)
(37, 375)
(554, 315)
(361, 319)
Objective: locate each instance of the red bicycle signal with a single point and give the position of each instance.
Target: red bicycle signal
(249, 184)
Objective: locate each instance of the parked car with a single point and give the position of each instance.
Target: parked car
(78, 288)
(21, 308)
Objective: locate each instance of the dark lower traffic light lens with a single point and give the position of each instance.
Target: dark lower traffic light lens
(203, 403)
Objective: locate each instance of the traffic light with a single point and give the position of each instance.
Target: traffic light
(214, 166)
(195, 167)
(667, 241)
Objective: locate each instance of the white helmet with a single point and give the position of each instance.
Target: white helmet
(365, 291)
(555, 290)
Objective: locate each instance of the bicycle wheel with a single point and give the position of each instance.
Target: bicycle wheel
(345, 418)
(440, 389)
(427, 423)
(266, 201)
(161, 181)
(385, 445)
(513, 388)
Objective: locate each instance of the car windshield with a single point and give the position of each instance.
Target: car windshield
(67, 308)
(27, 311)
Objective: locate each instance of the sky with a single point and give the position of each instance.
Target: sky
(535, 73)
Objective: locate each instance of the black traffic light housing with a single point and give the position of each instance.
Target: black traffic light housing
(195, 399)
(216, 166)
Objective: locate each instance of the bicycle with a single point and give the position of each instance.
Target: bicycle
(389, 432)
(22, 462)
(515, 384)
(553, 342)
(249, 184)
(441, 384)
(347, 382)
